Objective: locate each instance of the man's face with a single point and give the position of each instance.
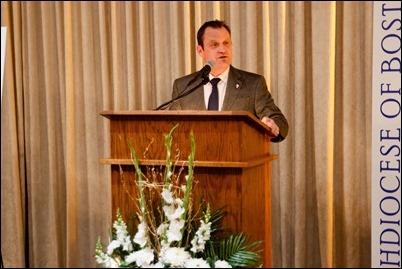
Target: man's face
(218, 48)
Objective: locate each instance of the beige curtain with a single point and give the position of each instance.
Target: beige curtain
(68, 61)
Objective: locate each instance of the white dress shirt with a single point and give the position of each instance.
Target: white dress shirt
(221, 88)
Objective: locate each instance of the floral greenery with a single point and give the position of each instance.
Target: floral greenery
(170, 235)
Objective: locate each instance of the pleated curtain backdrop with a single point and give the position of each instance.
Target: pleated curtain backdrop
(68, 61)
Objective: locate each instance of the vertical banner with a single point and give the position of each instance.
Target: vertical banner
(386, 136)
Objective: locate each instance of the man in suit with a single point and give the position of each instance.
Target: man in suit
(237, 90)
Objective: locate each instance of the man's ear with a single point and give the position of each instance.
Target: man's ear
(200, 50)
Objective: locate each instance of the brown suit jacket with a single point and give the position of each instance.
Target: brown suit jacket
(245, 91)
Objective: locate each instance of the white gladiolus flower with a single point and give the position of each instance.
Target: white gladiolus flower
(174, 231)
(167, 196)
(172, 212)
(112, 246)
(178, 202)
(126, 244)
(162, 228)
(141, 235)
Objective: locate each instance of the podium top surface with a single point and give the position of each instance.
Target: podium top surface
(193, 114)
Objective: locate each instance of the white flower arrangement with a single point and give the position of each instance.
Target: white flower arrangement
(172, 237)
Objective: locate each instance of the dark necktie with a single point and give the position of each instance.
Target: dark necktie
(213, 103)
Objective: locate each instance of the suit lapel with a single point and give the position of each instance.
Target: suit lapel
(196, 101)
(199, 103)
(232, 89)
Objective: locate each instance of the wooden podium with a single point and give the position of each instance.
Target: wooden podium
(232, 162)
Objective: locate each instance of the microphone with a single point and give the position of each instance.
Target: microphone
(203, 74)
(207, 68)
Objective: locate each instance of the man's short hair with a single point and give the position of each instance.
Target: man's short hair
(216, 24)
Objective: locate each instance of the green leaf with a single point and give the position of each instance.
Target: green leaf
(236, 251)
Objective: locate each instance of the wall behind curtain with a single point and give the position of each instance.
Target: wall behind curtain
(68, 61)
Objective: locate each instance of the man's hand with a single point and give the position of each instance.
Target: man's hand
(273, 128)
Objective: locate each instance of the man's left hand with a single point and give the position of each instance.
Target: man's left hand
(273, 128)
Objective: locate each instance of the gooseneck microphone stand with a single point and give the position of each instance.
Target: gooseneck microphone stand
(165, 105)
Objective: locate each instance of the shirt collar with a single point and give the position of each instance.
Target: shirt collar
(223, 76)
